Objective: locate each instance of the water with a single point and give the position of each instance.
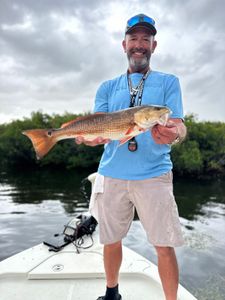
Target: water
(34, 206)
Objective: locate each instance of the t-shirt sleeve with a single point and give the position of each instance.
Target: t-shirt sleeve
(101, 99)
(173, 98)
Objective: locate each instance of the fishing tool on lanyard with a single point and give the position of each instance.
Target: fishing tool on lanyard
(138, 90)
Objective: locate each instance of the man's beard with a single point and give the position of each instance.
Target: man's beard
(139, 64)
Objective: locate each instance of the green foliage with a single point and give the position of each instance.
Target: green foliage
(16, 149)
(85, 157)
(203, 151)
(201, 154)
(187, 158)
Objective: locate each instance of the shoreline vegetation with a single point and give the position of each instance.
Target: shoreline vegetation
(201, 155)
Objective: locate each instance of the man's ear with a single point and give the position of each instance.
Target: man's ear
(154, 46)
(124, 45)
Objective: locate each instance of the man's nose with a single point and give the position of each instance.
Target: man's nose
(139, 44)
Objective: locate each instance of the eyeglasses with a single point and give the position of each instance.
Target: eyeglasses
(139, 19)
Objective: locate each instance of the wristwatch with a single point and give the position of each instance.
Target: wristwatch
(176, 141)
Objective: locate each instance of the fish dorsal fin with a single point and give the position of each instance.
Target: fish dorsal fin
(83, 118)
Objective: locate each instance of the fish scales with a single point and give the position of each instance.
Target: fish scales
(120, 125)
(102, 124)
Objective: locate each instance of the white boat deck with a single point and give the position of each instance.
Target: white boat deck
(38, 274)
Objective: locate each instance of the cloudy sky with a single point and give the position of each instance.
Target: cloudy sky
(55, 53)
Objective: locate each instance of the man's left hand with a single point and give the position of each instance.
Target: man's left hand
(169, 133)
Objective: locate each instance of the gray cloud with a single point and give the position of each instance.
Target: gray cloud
(54, 54)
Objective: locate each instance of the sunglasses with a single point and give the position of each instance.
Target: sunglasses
(140, 19)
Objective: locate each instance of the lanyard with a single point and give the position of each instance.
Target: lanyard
(138, 90)
(132, 144)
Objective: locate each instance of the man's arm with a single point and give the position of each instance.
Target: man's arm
(174, 131)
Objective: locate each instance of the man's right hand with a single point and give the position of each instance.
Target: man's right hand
(98, 141)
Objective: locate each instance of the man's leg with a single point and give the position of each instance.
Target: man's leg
(168, 271)
(112, 263)
(115, 215)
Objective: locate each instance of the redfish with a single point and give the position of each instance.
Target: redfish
(121, 125)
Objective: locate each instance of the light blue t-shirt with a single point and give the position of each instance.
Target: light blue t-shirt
(150, 159)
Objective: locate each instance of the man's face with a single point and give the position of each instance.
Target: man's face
(139, 45)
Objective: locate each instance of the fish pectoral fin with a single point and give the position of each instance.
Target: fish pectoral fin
(131, 133)
(124, 140)
(132, 128)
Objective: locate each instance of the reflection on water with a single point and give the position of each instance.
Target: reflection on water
(36, 205)
(39, 186)
(192, 196)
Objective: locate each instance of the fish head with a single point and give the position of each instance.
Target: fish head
(149, 116)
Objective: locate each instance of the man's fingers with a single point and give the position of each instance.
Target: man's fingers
(164, 135)
(103, 141)
(79, 140)
(170, 124)
(97, 141)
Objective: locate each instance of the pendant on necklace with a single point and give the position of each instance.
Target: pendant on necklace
(132, 145)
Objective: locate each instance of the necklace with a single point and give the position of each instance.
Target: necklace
(132, 144)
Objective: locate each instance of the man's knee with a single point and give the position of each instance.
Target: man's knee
(165, 252)
(113, 246)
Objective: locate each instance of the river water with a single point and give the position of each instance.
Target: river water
(34, 206)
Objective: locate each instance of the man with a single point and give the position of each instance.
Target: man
(138, 173)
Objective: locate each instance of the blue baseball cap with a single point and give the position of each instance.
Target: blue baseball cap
(141, 20)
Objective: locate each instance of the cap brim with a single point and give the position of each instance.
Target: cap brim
(147, 26)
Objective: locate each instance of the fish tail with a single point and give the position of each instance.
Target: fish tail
(42, 140)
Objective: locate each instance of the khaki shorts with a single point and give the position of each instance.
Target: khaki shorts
(155, 205)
